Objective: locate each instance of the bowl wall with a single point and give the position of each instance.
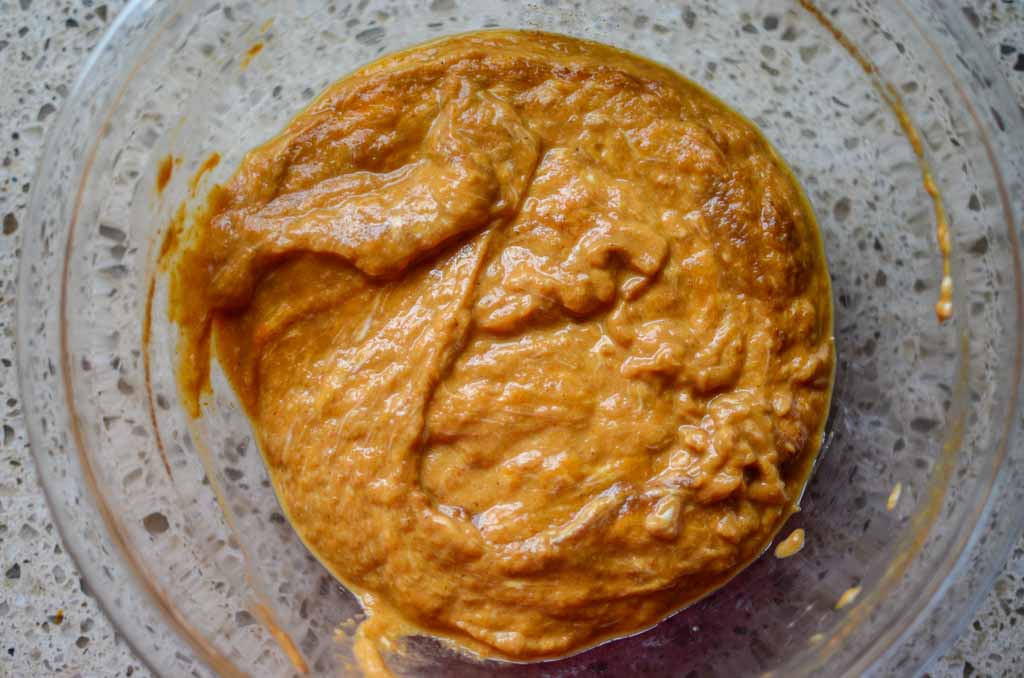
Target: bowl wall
(174, 522)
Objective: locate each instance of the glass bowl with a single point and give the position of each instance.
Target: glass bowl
(917, 495)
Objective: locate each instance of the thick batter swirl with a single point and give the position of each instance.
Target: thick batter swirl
(535, 335)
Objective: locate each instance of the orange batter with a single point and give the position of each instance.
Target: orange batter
(535, 336)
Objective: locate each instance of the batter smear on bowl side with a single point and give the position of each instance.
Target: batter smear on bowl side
(535, 335)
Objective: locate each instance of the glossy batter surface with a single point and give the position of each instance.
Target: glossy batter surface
(535, 335)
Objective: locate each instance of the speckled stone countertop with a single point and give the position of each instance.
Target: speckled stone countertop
(43, 43)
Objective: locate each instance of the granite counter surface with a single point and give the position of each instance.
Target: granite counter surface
(43, 44)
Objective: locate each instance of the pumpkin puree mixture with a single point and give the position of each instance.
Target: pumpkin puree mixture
(535, 336)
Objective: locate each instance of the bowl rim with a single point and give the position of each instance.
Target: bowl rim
(958, 551)
(955, 560)
(79, 88)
